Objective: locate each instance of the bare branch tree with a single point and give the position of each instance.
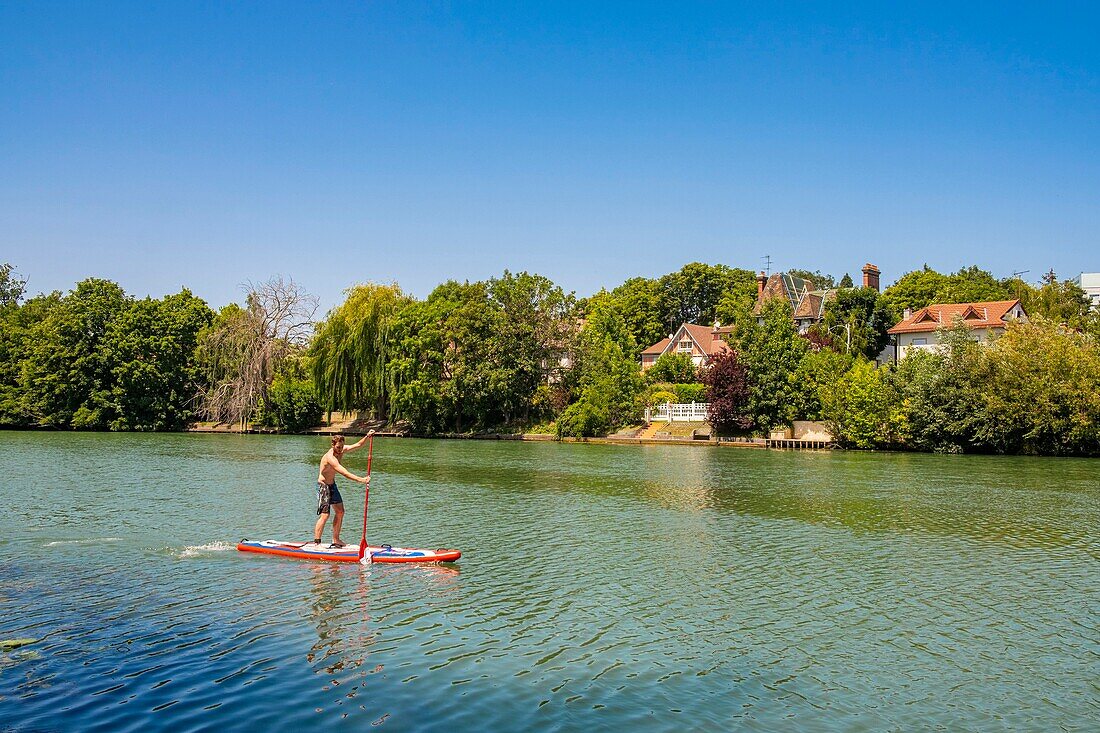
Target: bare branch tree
(245, 347)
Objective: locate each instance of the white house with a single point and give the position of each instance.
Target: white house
(1090, 283)
(920, 330)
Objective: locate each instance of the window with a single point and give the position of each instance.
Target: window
(684, 347)
(920, 342)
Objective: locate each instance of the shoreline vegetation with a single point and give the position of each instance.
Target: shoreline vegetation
(517, 357)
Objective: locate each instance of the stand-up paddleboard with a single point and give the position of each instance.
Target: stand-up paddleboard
(350, 553)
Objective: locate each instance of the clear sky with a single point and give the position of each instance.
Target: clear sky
(206, 144)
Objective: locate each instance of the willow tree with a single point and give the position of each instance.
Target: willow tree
(351, 348)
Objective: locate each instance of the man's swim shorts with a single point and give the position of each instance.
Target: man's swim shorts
(327, 496)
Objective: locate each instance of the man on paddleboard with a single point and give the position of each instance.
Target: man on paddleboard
(328, 496)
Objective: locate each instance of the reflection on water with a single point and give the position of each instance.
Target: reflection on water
(600, 587)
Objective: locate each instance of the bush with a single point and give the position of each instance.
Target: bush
(291, 405)
(609, 386)
(662, 396)
(674, 368)
(863, 409)
(691, 392)
(728, 392)
(1034, 390)
(587, 417)
(818, 370)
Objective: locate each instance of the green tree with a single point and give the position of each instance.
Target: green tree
(291, 404)
(692, 294)
(942, 393)
(420, 362)
(151, 348)
(672, 368)
(696, 293)
(17, 324)
(1041, 392)
(11, 286)
(863, 408)
(846, 282)
(536, 328)
(351, 349)
(970, 285)
(858, 321)
(1059, 301)
(921, 288)
(771, 349)
(447, 370)
(817, 371)
(608, 381)
(67, 375)
(914, 290)
(640, 302)
(821, 280)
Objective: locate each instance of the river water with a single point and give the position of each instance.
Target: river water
(601, 588)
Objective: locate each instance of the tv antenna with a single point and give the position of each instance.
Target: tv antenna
(1019, 282)
(767, 263)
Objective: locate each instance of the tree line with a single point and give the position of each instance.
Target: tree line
(517, 352)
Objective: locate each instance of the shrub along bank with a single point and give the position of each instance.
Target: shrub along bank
(515, 351)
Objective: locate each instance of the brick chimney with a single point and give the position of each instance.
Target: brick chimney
(761, 281)
(870, 276)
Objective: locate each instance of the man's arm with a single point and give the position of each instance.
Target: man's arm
(360, 444)
(348, 474)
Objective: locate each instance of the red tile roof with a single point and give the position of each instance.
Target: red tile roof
(990, 314)
(709, 339)
(657, 349)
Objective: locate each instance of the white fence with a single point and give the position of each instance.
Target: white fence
(677, 412)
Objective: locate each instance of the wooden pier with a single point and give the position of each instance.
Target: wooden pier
(799, 444)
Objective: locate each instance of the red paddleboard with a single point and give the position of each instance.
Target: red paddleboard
(350, 553)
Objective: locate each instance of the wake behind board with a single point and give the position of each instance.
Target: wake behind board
(349, 553)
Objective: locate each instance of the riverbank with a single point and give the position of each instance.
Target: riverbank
(351, 429)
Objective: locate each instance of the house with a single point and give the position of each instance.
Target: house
(559, 352)
(920, 330)
(699, 342)
(807, 301)
(1090, 283)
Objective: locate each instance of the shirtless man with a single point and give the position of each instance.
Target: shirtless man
(328, 496)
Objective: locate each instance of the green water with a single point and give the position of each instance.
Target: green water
(601, 587)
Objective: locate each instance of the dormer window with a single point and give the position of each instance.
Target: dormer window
(924, 317)
(684, 347)
(971, 314)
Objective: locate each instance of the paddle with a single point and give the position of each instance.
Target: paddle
(366, 499)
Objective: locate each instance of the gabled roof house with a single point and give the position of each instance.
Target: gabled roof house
(920, 330)
(699, 342)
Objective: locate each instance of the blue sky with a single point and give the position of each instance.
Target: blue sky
(171, 144)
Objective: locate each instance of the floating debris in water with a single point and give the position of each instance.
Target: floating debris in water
(6, 644)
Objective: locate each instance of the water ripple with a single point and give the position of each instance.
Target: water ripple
(600, 588)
